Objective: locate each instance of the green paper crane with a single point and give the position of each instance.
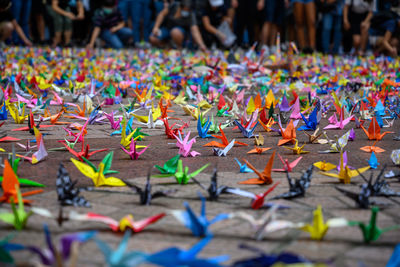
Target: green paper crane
(182, 175)
(19, 217)
(107, 161)
(214, 128)
(169, 166)
(372, 232)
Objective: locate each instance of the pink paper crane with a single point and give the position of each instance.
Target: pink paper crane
(185, 145)
(133, 153)
(113, 123)
(335, 124)
(286, 165)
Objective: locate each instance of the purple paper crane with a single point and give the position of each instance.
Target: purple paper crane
(185, 145)
(133, 153)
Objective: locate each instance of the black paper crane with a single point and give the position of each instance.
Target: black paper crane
(66, 191)
(214, 191)
(378, 188)
(145, 194)
(297, 188)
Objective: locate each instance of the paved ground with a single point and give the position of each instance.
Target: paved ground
(341, 246)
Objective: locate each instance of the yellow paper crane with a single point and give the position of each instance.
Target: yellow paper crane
(145, 118)
(97, 176)
(17, 114)
(318, 228)
(324, 166)
(345, 174)
(297, 149)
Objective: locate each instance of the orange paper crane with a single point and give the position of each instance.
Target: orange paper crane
(372, 148)
(374, 131)
(267, 126)
(10, 186)
(258, 150)
(224, 140)
(265, 176)
(289, 135)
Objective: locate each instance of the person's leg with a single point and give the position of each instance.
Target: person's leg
(298, 12)
(310, 13)
(146, 20)
(123, 8)
(356, 42)
(6, 30)
(124, 34)
(16, 10)
(327, 20)
(111, 39)
(240, 22)
(57, 25)
(67, 30)
(337, 33)
(178, 36)
(25, 15)
(136, 13)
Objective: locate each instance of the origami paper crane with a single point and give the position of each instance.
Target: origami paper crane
(259, 140)
(170, 131)
(197, 224)
(97, 176)
(296, 115)
(203, 129)
(133, 136)
(3, 112)
(133, 153)
(288, 135)
(338, 145)
(319, 228)
(169, 166)
(246, 131)
(14, 164)
(182, 175)
(107, 161)
(17, 113)
(297, 188)
(10, 186)
(373, 148)
(374, 131)
(178, 257)
(224, 141)
(31, 125)
(257, 199)
(379, 187)
(145, 195)
(185, 145)
(41, 153)
(53, 255)
(335, 124)
(18, 217)
(310, 123)
(324, 166)
(125, 223)
(373, 161)
(265, 176)
(66, 191)
(118, 257)
(395, 258)
(258, 150)
(271, 259)
(84, 153)
(213, 190)
(28, 147)
(371, 231)
(223, 152)
(345, 174)
(243, 167)
(6, 247)
(287, 166)
(152, 122)
(214, 128)
(266, 223)
(267, 126)
(297, 150)
(115, 124)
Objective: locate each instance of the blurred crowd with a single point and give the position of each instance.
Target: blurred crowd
(329, 26)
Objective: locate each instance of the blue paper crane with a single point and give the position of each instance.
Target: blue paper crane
(311, 122)
(243, 167)
(171, 257)
(203, 129)
(197, 224)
